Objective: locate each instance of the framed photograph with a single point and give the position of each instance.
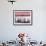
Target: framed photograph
(22, 17)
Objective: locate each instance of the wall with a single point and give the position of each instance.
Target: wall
(38, 29)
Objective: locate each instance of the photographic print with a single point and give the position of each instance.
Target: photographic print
(22, 17)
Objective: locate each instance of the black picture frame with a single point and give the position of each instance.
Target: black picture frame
(22, 23)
